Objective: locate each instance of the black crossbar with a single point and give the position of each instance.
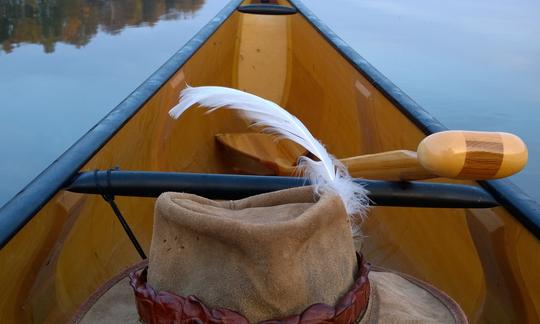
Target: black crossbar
(227, 186)
(267, 9)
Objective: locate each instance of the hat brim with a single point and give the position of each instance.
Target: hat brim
(113, 302)
(399, 298)
(394, 298)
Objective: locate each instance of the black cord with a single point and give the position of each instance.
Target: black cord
(108, 197)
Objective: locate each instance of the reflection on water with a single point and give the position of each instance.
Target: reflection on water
(75, 22)
(70, 62)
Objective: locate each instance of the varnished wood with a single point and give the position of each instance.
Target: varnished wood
(392, 165)
(277, 157)
(485, 259)
(483, 159)
(473, 155)
(470, 155)
(256, 153)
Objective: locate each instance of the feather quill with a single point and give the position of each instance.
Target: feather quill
(327, 173)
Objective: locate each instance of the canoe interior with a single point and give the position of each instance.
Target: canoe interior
(484, 259)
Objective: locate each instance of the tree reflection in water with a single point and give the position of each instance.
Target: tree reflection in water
(75, 22)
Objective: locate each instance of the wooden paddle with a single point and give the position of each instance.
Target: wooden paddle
(449, 154)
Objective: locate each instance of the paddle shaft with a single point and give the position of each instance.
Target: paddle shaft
(450, 154)
(399, 165)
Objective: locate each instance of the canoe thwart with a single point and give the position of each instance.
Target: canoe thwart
(267, 9)
(230, 186)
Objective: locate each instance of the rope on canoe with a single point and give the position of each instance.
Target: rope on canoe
(109, 198)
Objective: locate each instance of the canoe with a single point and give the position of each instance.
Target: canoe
(59, 246)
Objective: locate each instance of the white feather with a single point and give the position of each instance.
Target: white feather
(328, 173)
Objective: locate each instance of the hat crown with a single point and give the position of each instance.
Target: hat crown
(266, 256)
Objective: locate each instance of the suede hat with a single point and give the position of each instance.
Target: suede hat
(286, 256)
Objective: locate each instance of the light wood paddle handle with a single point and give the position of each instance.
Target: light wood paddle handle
(450, 154)
(392, 165)
(397, 165)
(472, 155)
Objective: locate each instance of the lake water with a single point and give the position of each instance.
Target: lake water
(65, 63)
(473, 65)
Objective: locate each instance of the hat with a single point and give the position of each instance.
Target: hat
(286, 256)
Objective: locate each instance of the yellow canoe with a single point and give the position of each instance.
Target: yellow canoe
(59, 246)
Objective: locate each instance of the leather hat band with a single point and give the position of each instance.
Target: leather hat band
(166, 307)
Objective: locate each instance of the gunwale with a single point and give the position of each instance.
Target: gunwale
(23, 206)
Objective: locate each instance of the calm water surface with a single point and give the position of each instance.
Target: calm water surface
(473, 65)
(65, 63)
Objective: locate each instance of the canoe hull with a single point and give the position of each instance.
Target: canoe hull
(483, 258)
